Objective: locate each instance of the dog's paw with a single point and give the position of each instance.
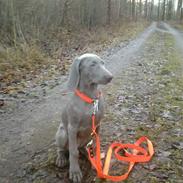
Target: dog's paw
(75, 175)
(61, 161)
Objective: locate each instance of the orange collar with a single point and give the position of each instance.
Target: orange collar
(85, 97)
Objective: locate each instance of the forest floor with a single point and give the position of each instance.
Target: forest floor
(144, 98)
(25, 66)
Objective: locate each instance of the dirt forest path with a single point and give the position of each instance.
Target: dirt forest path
(139, 102)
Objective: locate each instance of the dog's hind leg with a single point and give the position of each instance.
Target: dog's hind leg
(61, 143)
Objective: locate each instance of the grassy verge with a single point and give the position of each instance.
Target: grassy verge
(167, 114)
(28, 61)
(149, 102)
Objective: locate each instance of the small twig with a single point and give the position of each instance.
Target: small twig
(12, 99)
(44, 148)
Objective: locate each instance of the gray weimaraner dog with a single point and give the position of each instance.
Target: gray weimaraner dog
(87, 72)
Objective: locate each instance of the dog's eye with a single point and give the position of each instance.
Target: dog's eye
(93, 64)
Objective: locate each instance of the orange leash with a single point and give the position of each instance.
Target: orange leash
(139, 154)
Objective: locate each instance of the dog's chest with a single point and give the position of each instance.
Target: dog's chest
(85, 126)
(86, 120)
(85, 129)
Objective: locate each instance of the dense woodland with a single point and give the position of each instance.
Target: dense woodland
(36, 34)
(21, 20)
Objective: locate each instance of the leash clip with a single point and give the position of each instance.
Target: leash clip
(89, 144)
(95, 106)
(89, 147)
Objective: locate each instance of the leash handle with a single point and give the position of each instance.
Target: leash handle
(139, 154)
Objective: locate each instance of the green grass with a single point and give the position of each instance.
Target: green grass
(174, 67)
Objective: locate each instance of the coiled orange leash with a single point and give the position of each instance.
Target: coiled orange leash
(139, 154)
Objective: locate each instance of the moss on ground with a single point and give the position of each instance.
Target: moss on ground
(161, 73)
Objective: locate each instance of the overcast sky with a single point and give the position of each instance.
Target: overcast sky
(156, 2)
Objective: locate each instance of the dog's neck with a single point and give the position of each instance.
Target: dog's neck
(91, 90)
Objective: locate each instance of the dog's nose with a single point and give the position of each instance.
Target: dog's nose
(109, 78)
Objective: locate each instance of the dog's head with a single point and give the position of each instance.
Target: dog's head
(90, 69)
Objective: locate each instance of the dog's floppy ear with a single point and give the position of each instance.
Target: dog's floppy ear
(74, 75)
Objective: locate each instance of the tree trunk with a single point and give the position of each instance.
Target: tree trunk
(14, 24)
(179, 7)
(145, 8)
(65, 13)
(109, 12)
(125, 9)
(159, 4)
(152, 9)
(133, 9)
(169, 9)
(140, 8)
(121, 9)
(181, 15)
(163, 10)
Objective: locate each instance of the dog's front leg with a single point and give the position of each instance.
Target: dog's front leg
(75, 173)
